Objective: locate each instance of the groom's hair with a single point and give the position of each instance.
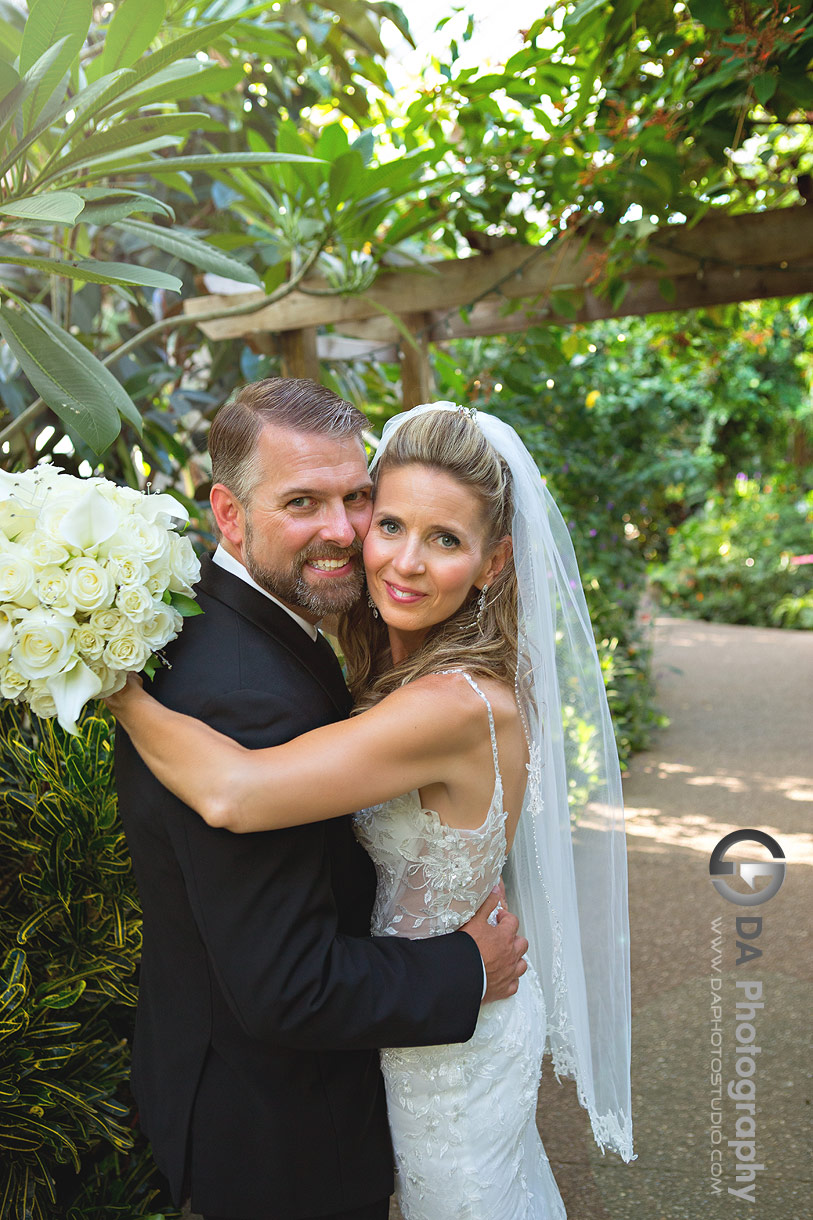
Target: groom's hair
(287, 402)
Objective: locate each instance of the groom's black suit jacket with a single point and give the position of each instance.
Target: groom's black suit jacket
(262, 997)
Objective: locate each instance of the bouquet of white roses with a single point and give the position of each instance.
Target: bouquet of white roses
(94, 580)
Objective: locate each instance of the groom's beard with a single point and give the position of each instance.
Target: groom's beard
(332, 595)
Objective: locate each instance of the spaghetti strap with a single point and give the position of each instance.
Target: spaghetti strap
(491, 728)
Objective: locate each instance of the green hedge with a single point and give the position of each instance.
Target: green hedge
(732, 561)
(70, 938)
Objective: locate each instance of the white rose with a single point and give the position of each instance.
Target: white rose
(184, 563)
(6, 630)
(127, 651)
(164, 626)
(136, 602)
(108, 622)
(142, 538)
(12, 683)
(127, 498)
(90, 643)
(44, 551)
(112, 680)
(44, 644)
(126, 568)
(52, 589)
(16, 521)
(17, 577)
(91, 586)
(159, 578)
(41, 701)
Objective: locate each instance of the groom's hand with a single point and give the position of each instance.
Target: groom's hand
(501, 949)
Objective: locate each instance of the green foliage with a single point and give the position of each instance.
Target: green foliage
(625, 111)
(732, 562)
(140, 148)
(70, 938)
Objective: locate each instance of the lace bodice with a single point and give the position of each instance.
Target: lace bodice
(432, 877)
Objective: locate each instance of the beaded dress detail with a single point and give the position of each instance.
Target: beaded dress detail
(462, 1116)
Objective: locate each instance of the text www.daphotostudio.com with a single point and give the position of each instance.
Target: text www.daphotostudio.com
(734, 1039)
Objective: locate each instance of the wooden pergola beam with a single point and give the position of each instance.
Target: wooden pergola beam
(720, 259)
(375, 337)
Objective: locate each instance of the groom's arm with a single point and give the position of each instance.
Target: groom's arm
(266, 912)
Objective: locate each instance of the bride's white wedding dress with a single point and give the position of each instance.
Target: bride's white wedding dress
(462, 1116)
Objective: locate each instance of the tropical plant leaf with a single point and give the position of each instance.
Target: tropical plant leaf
(50, 116)
(103, 205)
(30, 81)
(208, 161)
(132, 28)
(187, 78)
(177, 51)
(49, 20)
(76, 386)
(154, 129)
(94, 271)
(191, 250)
(54, 207)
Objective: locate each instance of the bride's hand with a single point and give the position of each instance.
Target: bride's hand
(124, 698)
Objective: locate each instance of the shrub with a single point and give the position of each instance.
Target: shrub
(70, 937)
(731, 562)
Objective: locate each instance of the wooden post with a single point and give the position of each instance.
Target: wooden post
(298, 349)
(417, 382)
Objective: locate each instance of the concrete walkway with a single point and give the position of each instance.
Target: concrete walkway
(737, 755)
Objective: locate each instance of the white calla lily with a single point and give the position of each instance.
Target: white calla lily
(153, 506)
(71, 690)
(90, 522)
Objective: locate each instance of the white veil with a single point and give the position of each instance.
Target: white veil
(566, 878)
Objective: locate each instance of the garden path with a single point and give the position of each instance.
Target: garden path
(737, 754)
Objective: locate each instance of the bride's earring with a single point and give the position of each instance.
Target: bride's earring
(481, 608)
(372, 605)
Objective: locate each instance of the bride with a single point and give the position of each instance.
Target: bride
(481, 744)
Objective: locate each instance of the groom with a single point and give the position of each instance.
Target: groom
(262, 996)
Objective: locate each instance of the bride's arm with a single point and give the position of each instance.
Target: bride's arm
(420, 734)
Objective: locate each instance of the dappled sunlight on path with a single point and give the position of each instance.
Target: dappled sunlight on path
(736, 755)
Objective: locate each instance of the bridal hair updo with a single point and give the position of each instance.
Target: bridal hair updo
(452, 442)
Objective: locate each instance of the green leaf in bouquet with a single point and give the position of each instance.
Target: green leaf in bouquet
(186, 606)
(154, 663)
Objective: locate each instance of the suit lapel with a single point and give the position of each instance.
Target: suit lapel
(316, 656)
